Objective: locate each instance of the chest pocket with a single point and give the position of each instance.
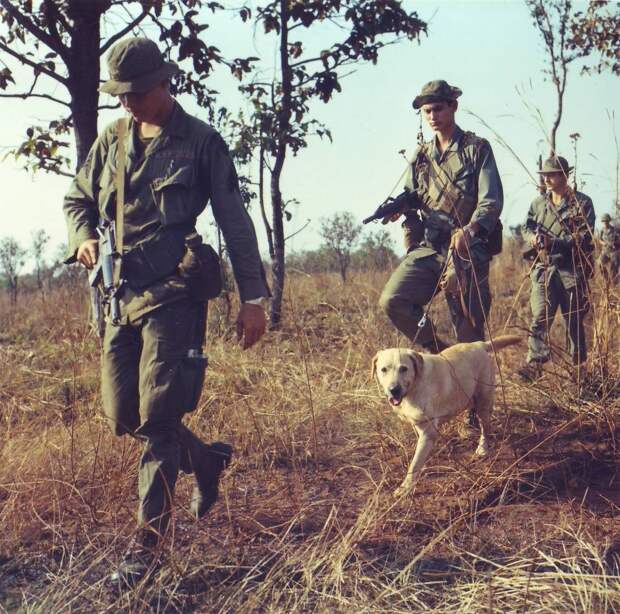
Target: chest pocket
(175, 198)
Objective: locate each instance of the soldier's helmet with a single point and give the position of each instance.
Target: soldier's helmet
(436, 91)
(606, 217)
(136, 65)
(555, 164)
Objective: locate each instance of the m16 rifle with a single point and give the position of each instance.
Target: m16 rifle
(541, 236)
(405, 201)
(104, 291)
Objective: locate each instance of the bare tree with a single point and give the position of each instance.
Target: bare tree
(340, 233)
(553, 18)
(40, 239)
(570, 35)
(12, 259)
(282, 105)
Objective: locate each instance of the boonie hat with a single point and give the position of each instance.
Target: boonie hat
(136, 65)
(606, 217)
(555, 164)
(436, 91)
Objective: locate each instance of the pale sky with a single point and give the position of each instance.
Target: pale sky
(489, 49)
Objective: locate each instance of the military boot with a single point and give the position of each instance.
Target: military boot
(139, 563)
(208, 467)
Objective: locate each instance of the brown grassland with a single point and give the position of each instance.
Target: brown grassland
(306, 521)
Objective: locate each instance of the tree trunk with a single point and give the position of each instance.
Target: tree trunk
(284, 121)
(83, 82)
(261, 197)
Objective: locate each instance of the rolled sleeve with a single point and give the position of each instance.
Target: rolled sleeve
(234, 222)
(490, 192)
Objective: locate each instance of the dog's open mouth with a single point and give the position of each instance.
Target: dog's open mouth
(395, 401)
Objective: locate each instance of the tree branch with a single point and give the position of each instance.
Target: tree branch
(130, 26)
(34, 65)
(29, 95)
(24, 22)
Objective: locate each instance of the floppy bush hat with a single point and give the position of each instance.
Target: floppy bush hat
(436, 91)
(555, 164)
(136, 65)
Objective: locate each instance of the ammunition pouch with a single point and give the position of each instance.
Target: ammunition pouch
(413, 228)
(155, 258)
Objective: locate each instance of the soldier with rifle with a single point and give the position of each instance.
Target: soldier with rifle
(609, 260)
(559, 230)
(147, 178)
(451, 207)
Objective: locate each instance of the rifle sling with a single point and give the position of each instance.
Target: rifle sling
(121, 131)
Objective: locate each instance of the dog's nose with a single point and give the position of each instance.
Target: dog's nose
(395, 391)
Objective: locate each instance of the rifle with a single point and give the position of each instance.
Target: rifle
(101, 279)
(542, 233)
(390, 206)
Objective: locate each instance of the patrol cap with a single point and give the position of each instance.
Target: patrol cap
(136, 65)
(606, 217)
(436, 91)
(555, 164)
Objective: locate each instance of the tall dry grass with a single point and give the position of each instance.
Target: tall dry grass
(306, 521)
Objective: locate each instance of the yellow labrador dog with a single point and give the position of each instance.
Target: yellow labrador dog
(427, 390)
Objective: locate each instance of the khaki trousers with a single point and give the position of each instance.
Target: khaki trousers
(413, 284)
(148, 383)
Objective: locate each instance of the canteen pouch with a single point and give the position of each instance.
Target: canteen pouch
(201, 270)
(495, 239)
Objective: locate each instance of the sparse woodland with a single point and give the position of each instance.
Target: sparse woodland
(306, 520)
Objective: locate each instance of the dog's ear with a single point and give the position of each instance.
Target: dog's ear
(373, 368)
(417, 361)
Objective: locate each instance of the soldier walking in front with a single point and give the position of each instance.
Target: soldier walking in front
(456, 200)
(151, 176)
(559, 228)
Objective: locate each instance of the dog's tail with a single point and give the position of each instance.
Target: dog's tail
(501, 342)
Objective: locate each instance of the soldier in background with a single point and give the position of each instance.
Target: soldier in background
(609, 260)
(559, 228)
(458, 194)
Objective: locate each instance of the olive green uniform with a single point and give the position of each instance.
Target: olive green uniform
(468, 164)
(609, 260)
(149, 378)
(560, 276)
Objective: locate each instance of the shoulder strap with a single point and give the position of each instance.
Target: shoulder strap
(121, 131)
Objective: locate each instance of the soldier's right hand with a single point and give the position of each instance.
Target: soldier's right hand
(87, 253)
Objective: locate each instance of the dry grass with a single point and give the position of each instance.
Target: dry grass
(306, 521)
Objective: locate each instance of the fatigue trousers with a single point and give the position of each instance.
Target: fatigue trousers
(148, 383)
(609, 263)
(546, 295)
(413, 284)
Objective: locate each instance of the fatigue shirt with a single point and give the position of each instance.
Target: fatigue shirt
(468, 163)
(610, 239)
(570, 223)
(167, 186)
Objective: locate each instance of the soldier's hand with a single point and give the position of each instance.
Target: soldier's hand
(391, 218)
(460, 242)
(87, 253)
(251, 323)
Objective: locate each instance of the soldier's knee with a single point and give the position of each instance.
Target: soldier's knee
(389, 304)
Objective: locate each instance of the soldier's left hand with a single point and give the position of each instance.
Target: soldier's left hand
(251, 324)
